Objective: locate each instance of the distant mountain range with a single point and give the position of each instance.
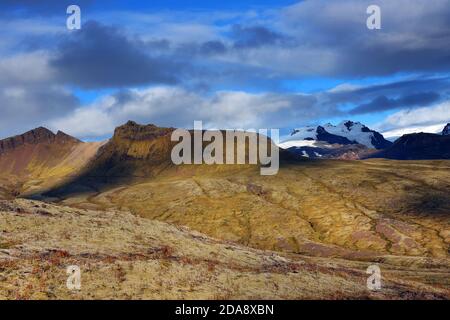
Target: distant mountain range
(417, 146)
(40, 159)
(345, 133)
(353, 140)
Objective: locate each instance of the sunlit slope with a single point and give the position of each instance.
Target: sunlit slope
(39, 159)
(352, 209)
(122, 256)
(142, 152)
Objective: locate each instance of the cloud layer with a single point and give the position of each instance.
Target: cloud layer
(226, 68)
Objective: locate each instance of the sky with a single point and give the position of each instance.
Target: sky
(231, 64)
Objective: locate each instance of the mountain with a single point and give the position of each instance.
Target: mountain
(391, 213)
(446, 130)
(137, 152)
(342, 152)
(39, 158)
(418, 146)
(348, 140)
(347, 132)
(35, 136)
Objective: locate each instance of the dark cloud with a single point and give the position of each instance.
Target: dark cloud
(99, 56)
(254, 36)
(425, 91)
(414, 37)
(212, 48)
(383, 103)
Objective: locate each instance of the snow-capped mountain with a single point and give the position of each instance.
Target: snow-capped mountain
(446, 130)
(345, 133)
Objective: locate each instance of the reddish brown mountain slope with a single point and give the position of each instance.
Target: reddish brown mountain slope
(40, 158)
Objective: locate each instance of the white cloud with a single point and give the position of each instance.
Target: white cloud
(173, 106)
(427, 119)
(29, 96)
(436, 128)
(26, 68)
(420, 116)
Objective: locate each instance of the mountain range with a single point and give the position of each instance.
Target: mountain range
(122, 206)
(352, 140)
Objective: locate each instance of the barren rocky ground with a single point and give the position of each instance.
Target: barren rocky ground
(349, 209)
(122, 256)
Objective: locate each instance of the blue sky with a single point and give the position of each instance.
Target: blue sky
(233, 64)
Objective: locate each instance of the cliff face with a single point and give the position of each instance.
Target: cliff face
(132, 140)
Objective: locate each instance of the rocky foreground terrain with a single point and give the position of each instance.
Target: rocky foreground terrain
(122, 256)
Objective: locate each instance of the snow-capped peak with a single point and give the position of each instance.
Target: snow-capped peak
(346, 132)
(446, 130)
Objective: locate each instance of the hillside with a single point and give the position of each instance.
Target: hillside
(39, 159)
(122, 256)
(356, 210)
(137, 153)
(324, 211)
(418, 146)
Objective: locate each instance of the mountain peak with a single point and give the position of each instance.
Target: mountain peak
(134, 131)
(35, 136)
(446, 130)
(418, 146)
(345, 133)
(63, 137)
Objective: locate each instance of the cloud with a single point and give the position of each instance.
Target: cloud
(383, 103)
(254, 36)
(414, 120)
(423, 116)
(41, 7)
(28, 95)
(25, 108)
(25, 69)
(191, 57)
(99, 56)
(407, 42)
(396, 133)
(177, 107)
(375, 98)
(319, 38)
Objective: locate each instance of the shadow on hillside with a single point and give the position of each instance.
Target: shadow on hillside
(111, 173)
(431, 203)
